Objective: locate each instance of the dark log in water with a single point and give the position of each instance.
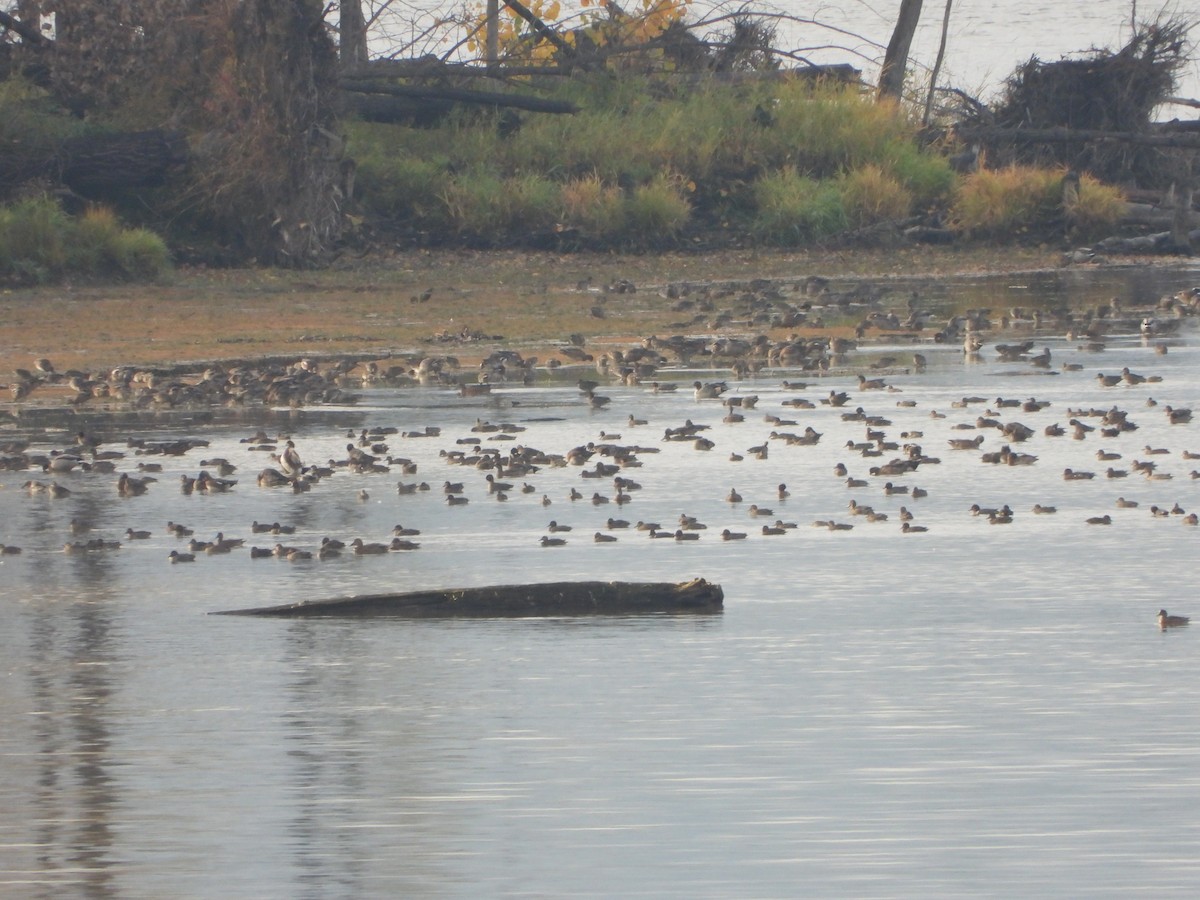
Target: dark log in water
(564, 598)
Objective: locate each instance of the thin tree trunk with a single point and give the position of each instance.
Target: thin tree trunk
(937, 64)
(895, 60)
(352, 38)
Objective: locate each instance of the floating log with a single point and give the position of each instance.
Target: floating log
(564, 598)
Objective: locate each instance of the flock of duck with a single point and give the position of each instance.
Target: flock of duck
(887, 460)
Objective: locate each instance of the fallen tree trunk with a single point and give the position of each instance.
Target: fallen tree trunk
(458, 95)
(115, 161)
(567, 598)
(970, 133)
(1157, 216)
(99, 163)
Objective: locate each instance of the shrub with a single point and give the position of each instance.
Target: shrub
(927, 176)
(32, 240)
(1005, 201)
(792, 208)
(480, 204)
(1098, 209)
(596, 208)
(1018, 199)
(139, 254)
(39, 242)
(657, 210)
(825, 131)
(869, 196)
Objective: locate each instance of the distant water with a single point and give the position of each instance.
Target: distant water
(977, 710)
(987, 41)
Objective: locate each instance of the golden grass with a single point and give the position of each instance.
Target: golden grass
(530, 300)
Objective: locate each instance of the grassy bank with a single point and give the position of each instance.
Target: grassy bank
(642, 166)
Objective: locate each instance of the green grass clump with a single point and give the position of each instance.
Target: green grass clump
(794, 209)
(1098, 208)
(658, 210)
(927, 176)
(489, 208)
(401, 186)
(30, 119)
(992, 202)
(644, 160)
(595, 208)
(32, 241)
(870, 195)
(1019, 200)
(40, 243)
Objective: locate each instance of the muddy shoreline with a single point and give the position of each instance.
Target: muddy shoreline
(391, 312)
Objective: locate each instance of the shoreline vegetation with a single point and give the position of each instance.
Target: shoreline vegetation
(610, 131)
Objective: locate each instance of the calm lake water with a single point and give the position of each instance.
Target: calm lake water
(976, 710)
(986, 41)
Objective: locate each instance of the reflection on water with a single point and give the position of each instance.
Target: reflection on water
(979, 709)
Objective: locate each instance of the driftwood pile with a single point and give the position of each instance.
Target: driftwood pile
(1093, 114)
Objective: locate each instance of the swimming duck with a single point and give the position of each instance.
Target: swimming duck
(289, 460)
(362, 549)
(601, 538)
(727, 535)
(552, 541)
(266, 478)
(733, 496)
(176, 557)
(710, 391)
(1100, 520)
(132, 487)
(910, 528)
(1169, 621)
(1177, 416)
(398, 544)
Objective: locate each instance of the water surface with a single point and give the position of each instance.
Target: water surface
(980, 709)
